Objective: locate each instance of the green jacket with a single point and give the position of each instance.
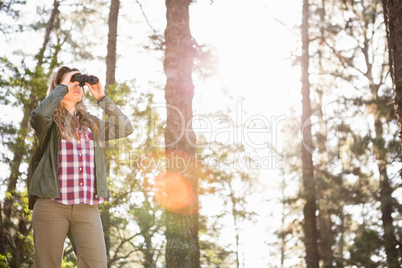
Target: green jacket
(43, 178)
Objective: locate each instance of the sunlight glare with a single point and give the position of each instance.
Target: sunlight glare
(173, 191)
(253, 52)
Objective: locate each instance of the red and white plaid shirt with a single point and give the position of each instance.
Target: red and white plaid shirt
(77, 171)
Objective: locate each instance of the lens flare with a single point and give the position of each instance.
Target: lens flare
(173, 191)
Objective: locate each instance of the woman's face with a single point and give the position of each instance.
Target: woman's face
(74, 94)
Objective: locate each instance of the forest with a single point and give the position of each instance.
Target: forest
(266, 133)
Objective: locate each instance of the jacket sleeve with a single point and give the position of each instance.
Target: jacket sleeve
(41, 117)
(118, 125)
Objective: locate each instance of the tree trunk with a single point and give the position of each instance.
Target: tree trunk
(325, 243)
(386, 216)
(283, 232)
(182, 249)
(149, 261)
(110, 80)
(309, 211)
(112, 43)
(393, 21)
(49, 29)
(386, 199)
(236, 226)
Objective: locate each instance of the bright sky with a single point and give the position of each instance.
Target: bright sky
(252, 46)
(254, 51)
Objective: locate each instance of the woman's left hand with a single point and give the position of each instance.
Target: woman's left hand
(96, 90)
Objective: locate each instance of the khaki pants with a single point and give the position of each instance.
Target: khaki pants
(53, 222)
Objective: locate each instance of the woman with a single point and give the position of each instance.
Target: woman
(68, 175)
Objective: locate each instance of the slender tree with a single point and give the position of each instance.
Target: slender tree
(112, 43)
(379, 103)
(365, 16)
(110, 80)
(182, 248)
(310, 207)
(393, 21)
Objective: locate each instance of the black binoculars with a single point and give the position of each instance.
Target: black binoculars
(83, 78)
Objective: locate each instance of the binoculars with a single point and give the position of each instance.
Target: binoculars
(83, 78)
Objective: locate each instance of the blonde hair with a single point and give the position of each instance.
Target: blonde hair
(65, 122)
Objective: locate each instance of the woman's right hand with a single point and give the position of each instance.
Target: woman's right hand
(67, 80)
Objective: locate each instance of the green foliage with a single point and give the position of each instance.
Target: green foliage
(214, 255)
(366, 250)
(3, 261)
(10, 9)
(68, 264)
(360, 144)
(119, 94)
